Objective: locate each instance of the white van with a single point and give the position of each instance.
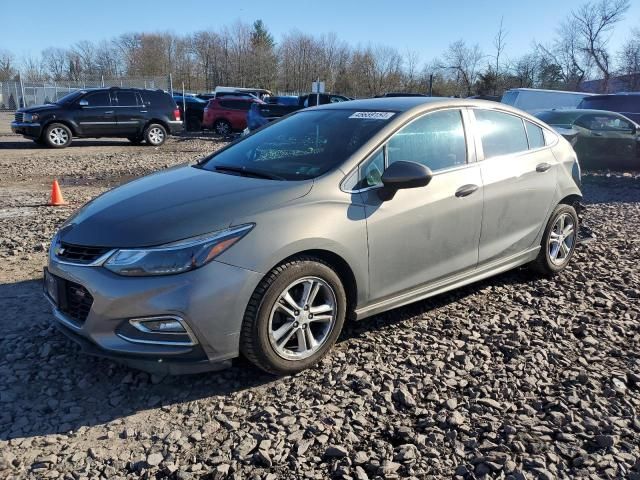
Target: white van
(533, 100)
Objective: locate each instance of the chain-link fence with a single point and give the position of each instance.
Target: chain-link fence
(18, 94)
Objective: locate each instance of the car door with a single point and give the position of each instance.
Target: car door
(519, 177)
(427, 233)
(129, 112)
(96, 115)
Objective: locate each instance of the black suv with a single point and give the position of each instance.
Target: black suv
(137, 114)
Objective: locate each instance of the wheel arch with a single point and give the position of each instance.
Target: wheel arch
(156, 120)
(66, 123)
(341, 267)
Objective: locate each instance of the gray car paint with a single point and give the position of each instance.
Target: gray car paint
(423, 242)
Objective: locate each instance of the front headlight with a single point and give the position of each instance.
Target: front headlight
(176, 257)
(30, 117)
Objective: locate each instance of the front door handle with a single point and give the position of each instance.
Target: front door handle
(542, 167)
(466, 190)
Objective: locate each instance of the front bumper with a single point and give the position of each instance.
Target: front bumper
(210, 300)
(31, 130)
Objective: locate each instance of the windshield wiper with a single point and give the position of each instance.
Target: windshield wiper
(247, 172)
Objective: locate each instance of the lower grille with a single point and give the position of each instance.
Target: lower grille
(19, 117)
(79, 254)
(76, 301)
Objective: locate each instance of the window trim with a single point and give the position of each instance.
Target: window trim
(126, 106)
(466, 127)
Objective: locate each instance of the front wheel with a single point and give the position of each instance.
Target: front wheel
(155, 134)
(57, 135)
(558, 242)
(294, 317)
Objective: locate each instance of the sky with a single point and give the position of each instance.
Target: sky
(425, 27)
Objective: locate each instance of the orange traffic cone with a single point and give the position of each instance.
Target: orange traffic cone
(56, 195)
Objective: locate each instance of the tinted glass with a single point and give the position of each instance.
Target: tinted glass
(126, 99)
(435, 140)
(70, 97)
(558, 117)
(158, 100)
(370, 172)
(604, 122)
(613, 103)
(535, 135)
(98, 99)
(501, 133)
(302, 146)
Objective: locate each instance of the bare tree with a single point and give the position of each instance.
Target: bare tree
(464, 62)
(593, 22)
(55, 62)
(629, 61)
(7, 66)
(499, 43)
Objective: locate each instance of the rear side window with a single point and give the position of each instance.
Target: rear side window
(126, 99)
(98, 99)
(436, 140)
(158, 100)
(535, 135)
(235, 104)
(501, 133)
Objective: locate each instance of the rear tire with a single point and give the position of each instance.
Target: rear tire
(222, 127)
(155, 135)
(558, 242)
(57, 135)
(282, 333)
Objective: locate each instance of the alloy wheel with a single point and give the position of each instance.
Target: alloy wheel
(156, 135)
(58, 136)
(302, 318)
(561, 239)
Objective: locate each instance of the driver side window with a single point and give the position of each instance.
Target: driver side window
(436, 140)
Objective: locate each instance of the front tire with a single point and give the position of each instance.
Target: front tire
(57, 135)
(155, 135)
(294, 316)
(558, 242)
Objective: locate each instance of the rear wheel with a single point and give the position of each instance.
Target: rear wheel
(558, 242)
(294, 317)
(57, 135)
(222, 127)
(155, 134)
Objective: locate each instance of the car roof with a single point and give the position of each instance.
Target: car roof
(419, 104)
(523, 89)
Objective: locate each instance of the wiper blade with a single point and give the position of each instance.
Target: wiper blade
(247, 172)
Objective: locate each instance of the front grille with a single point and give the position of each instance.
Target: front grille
(80, 254)
(19, 117)
(76, 301)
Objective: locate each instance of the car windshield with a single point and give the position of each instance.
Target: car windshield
(302, 146)
(70, 97)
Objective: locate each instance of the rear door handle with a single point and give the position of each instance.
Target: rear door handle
(466, 190)
(542, 167)
(109, 113)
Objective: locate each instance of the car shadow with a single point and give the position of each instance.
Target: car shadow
(77, 143)
(50, 387)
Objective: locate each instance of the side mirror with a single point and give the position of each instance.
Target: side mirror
(83, 102)
(401, 175)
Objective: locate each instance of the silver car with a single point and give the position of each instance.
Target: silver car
(331, 214)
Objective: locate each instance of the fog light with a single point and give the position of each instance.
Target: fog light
(159, 325)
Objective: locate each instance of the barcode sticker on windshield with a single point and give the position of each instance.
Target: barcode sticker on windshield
(373, 115)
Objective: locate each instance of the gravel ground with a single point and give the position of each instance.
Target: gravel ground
(515, 377)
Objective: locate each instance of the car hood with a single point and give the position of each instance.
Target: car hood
(39, 108)
(172, 205)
